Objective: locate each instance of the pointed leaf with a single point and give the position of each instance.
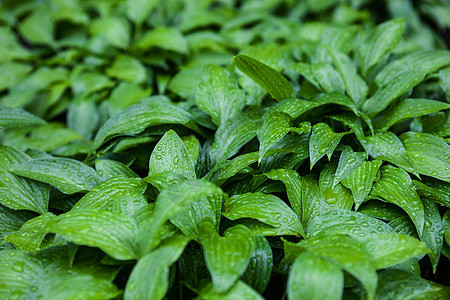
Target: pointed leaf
(226, 257)
(433, 233)
(328, 78)
(348, 162)
(239, 291)
(107, 168)
(228, 168)
(12, 220)
(269, 79)
(312, 277)
(268, 209)
(395, 186)
(323, 141)
(259, 269)
(68, 175)
(17, 117)
(446, 226)
(360, 181)
(435, 190)
(167, 38)
(429, 154)
(170, 154)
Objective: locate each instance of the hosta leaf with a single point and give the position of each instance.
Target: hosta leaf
(389, 249)
(446, 226)
(401, 75)
(354, 123)
(138, 10)
(323, 141)
(79, 112)
(328, 78)
(228, 168)
(226, 257)
(360, 181)
(381, 210)
(233, 134)
(259, 269)
(107, 168)
(337, 196)
(353, 223)
(68, 175)
(12, 72)
(167, 38)
(114, 29)
(433, 233)
(22, 193)
(398, 284)
(404, 225)
(407, 109)
(218, 95)
(38, 27)
(17, 117)
(134, 119)
(127, 68)
(312, 277)
(170, 154)
(117, 194)
(387, 146)
(395, 186)
(429, 154)
(9, 157)
(239, 291)
(269, 79)
(12, 220)
(268, 209)
(111, 232)
(294, 107)
(150, 277)
(348, 162)
(380, 42)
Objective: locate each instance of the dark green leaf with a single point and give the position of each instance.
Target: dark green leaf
(348, 162)
(323, 141)
(433, 233)
(259, 269)
(107, 168)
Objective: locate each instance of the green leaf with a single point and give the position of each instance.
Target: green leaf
(116, 194)
(349, 161)
(429, 154)
(139, 10)
(397, 284)
(239, 291)
(12, 220)
(269, 79)
(166, 38)
(12, 72)
(127, 68)
(150, 277)
(323, 141)
(387, 146)
(134, 119)
(68, 175)
(11, 156)
(107, 168)
(435, 190)
(82, 116)
(395, 186)
(361, 180)
(312, 277)
(38, 27)
(328, 78)
(260, 267)
(226, 257)
(228, 168)
(114, 29)
(170, 154)
(17, 117)
(433, 233)
(111, 232)
(388, 249)
(380, 42)
(125, 95)
(381, 210)
(85, 82)
(355, 224)
(407, 109)
(401, 75)
(446, 226)
(218, 95)
(233, 134)
(268, 209)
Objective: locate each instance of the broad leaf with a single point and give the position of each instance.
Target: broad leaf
(12, 220)
(446, 226)
(433, 234)
(259, 269)
(107, 168)
(166, 38)
(348, 162)
(68, 175)
(228, 168)
(329, 79)
(395, 186)
(323, 141)
(269, 79)
(17, 117)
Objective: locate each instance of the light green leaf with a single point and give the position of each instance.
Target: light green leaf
(268, 209)
(323, 141)
(269, 79)
(139, 10)
(444, 79)
(433, 233)
(387, 146)
(11, 156)
(407, 109)
(429, 154)
(117, 194)
(398, 284)
(360, 181)
(356, 224)
(85, 82)
(68, 175)
(380, 42)
(127, 68)
(226, 257)
(17, 117)
(233, 134)
(111, 232)
(136, 118)
(335, 197)
(82, 116)
(170, 154)
(12, 220)
(150, 277)
(218, 95)
(107, 168)
(166, 38)
(239, 291)
(312, 277)
(401, 75)
(12, 72)
(328, 78)
(38, 27)
(125, 95)
(395, 186)
(259, 269)
(114, 29)
(349, 161)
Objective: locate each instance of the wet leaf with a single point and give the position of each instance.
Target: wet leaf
(107, 168)
(446, 226)
(323, 141)
(12, 220)
(433, 232)
(17, 117)
(260, 267)
(349, 161)
(166, 38)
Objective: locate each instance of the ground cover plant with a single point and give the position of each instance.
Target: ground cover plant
(224, 149)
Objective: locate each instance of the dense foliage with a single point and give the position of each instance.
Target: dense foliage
(224, 149)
